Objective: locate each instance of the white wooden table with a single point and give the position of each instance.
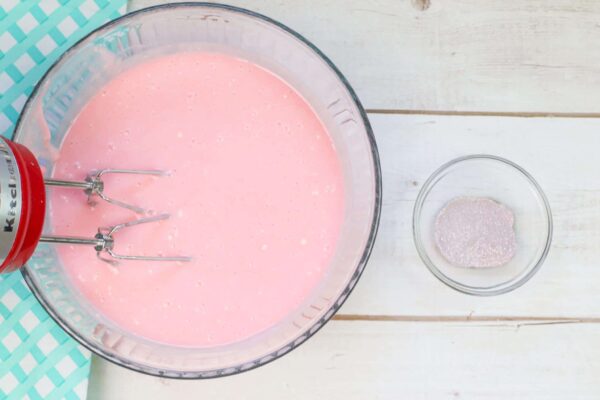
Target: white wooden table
(519, 79)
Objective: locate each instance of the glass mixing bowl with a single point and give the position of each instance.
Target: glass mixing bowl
(156, 31)
(500, 180)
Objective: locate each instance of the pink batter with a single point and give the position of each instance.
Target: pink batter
(255, 197)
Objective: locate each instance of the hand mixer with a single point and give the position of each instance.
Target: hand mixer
(23, 207)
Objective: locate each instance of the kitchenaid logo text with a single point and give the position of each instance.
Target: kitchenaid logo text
(12, 187)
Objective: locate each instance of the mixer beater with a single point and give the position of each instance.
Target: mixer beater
(23, 206)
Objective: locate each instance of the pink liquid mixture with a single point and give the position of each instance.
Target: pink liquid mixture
(255, 197)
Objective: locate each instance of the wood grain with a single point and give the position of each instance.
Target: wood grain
(559, 153)
(465, 55)
(381, 360)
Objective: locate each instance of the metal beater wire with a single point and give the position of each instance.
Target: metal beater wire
(104, 242)
(94, 185)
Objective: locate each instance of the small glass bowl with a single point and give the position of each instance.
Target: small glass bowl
(503, 181)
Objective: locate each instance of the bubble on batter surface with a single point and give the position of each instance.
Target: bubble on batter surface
(475, 232)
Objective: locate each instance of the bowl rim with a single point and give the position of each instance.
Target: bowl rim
(503, 287)
(353, 280)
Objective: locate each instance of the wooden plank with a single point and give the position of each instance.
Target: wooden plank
(560, 153)
(467, 55)
(391, 360)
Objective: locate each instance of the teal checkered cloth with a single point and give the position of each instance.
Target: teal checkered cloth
(38, 360)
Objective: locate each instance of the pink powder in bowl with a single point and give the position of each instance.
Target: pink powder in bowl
(475, 232)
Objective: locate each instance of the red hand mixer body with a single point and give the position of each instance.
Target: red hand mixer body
(22, 204)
